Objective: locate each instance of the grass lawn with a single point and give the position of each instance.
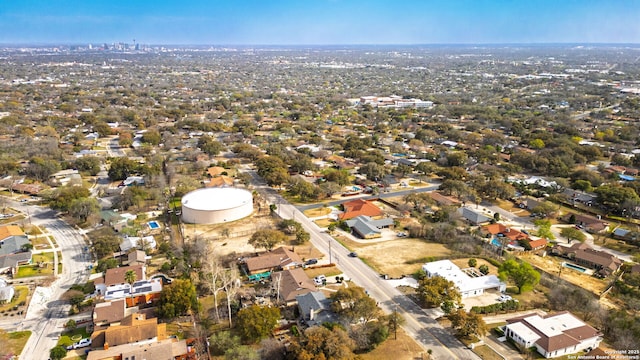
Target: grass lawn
(71, 336)
(40, 242)
(396, 257)
(487, 353)
(323, 222)
(404, 348)
(46, 257)
(317, 212)
(21, 296)
(618, 245)
(17, 341)
(33, 270)
(326, 271)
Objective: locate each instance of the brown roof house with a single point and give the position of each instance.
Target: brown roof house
(168, 349)
(590, 223)
(109, 313)
(115, 276)
(277, 259)
(553, 335)
(135, 328)
(289, 284)
(604, 263)
(359, 207)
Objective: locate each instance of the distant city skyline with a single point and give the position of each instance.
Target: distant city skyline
(320, 22)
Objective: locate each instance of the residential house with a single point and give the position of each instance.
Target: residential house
(139, 293)
(277, 259)
(220, 181)
(474, 216)
(359, 207)
(579, 197)
(534, 245)
(468, 286)
(443, 200)
(135, 328)
(137, 257)
(7, 292)
(168, 349)
(216, 171)
(116, 276)
(590, 223)
(109, 313)
(315, 308)
(604, 263)
(553, 335)
(135, 242)
(12, 243)
(289, 284)
(367, 228)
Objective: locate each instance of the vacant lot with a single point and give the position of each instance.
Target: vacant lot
(397, 257)
(553, 265)
(404, 348)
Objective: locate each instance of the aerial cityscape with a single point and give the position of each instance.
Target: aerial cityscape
(226, 187)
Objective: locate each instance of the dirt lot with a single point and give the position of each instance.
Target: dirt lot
(404, 348)
(552, 265)
(391, 257)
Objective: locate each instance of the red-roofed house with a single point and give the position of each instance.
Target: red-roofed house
(359, 207)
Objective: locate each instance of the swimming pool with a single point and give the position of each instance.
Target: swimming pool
(574, 267)
(495, 242)
(153, 225)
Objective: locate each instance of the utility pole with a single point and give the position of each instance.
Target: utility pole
(330, 262)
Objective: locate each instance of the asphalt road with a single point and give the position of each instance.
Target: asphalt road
(45, 319)
(419, 325)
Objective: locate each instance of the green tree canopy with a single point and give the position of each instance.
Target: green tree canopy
(209, 145)
(433, 291)
(178, 299)
(572, 233)
(523, 275)
(354, 304)
(321, 343)
(256, 322)
(267, 238)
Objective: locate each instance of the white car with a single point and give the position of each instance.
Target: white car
(80, 344)
(504, 298)
(320, 280)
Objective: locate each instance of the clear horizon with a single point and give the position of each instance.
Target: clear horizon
(321, 22)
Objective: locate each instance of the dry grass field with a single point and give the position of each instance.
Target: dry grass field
(396, 257)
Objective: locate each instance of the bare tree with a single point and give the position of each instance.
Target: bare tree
(213, 273)
(230, 280)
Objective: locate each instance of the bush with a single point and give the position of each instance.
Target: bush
(473, 262)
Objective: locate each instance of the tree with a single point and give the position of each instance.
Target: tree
(484, 269)
(572, 233)
(536, 144)
(473, 262)
(544, 229)
(89, 164)
(241, 352)
(152, 137)
(256, 322)
(121, 167)
(373, 171)
(82, 209)
(354, 304)
(394, 321)
(267, 238)
(468, 324)
(614, 195)
(222, 341)
(433, 291)
(302, 237)
(177, 299)
(523, 275)
(58, 353)
(209, 145)
(63, 197)
(321, 343)
(130, 277)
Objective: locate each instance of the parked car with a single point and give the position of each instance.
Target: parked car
(401, 234)
(320, 280)
(504, 298)
(80, 344)
(353, 255)
(311, 262)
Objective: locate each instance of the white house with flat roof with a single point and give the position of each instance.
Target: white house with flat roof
(468, 286)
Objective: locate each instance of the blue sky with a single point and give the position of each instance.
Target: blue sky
(320, 22)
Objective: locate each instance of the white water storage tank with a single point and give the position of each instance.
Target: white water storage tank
(216, 205)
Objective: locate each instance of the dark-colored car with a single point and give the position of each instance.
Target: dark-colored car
(352, 254)
(311, 262)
